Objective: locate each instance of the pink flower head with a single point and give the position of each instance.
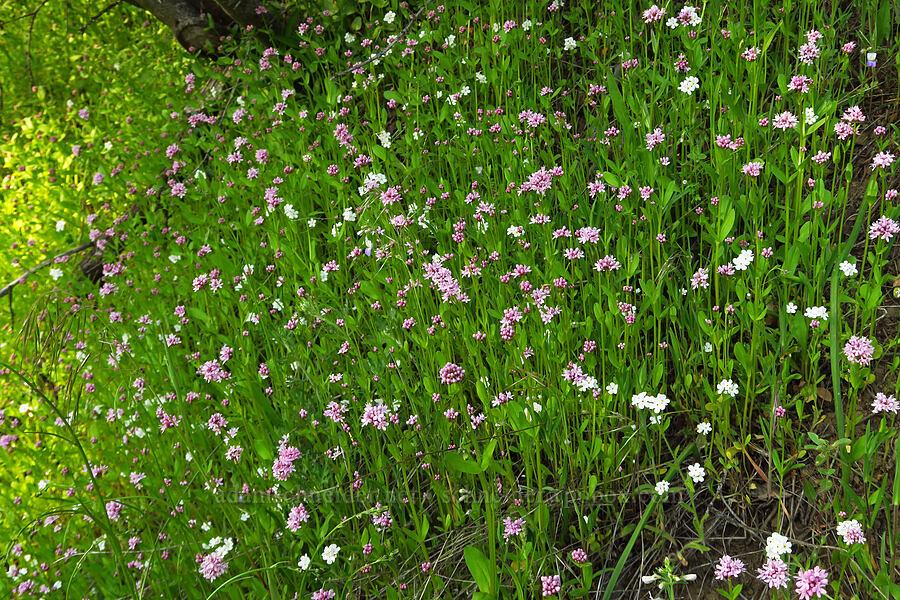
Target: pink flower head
(451, 373)
(785, 120)
(607, 263)
(884, 403)
(113, 509)
(512, 527)
(753, 169)
(882, 160)
(212, 566)
(859, 350)
(774, 573)
(852, 532)
(729, 567)
(884, 228)
(654, 14)
(811, 583)
(550, 585)
(297, 517)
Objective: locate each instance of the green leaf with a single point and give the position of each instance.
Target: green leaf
(479, 567)
(463, 465)
(488, 454)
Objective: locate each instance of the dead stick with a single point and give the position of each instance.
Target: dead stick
(384, 52)
(9, 287)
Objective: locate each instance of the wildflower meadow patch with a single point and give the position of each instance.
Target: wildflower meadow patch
(485, 300)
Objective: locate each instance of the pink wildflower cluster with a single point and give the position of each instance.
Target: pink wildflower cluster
(212, 566)
(297, 516)
(859, 350)
(451, 373)
(284, 464)
(541, 180)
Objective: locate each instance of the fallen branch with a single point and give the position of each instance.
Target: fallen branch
(384, 52)
(9, 287)
(100, 14)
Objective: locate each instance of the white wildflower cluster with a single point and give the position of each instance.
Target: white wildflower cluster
(743, 260)
(816, 312)
(329, 554)
(688, 17)
(697, 473)
(657, 403)
(776, 545)
(371, 182)
(218, 545)
(587, 383)
(689, 85)
(810, 116)
(727, 387)
(384, 138)
(848, 268)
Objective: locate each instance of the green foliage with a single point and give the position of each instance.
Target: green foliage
(434, 327)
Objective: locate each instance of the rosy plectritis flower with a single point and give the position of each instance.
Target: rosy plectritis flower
(451, 373)
(859, 350)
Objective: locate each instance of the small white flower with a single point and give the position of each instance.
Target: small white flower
(389, 17)
(329, 555)
(60, 225)
(689, 84)
(349, 38)
(480, 78)
(108, 146)
(56, 273)
(304, 561)
(311, 223)
(612, 389)
(743, 260)
(696, 473)
(708, 347)
(727, 387)
(816, 312)
(174, 258)
(290, 212)
(851, 531)
(526, 24)
(245, 516)
(791, 308)
(661, 488)
(569, 44)
(704, 428)
(384, 138)
(810, 116)
(776, 545)
(848, 268)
